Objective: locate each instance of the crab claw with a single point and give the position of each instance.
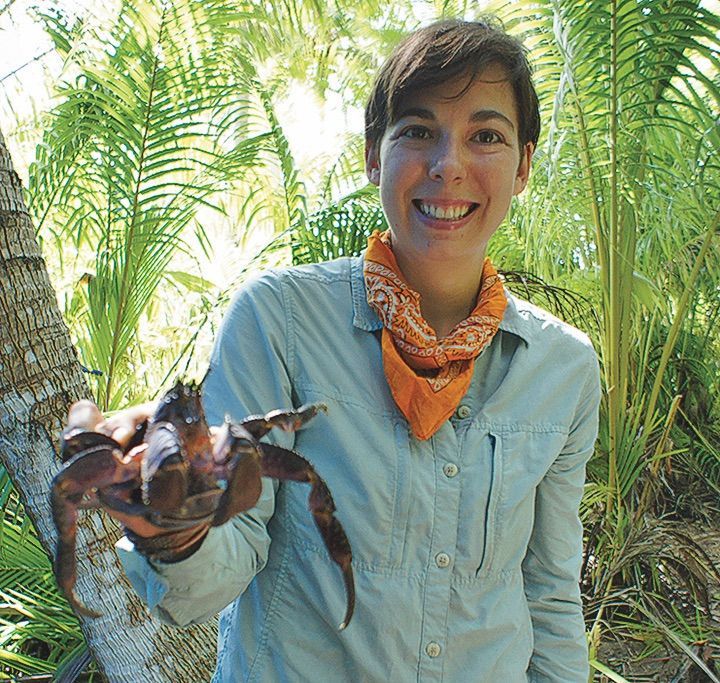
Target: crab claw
(164, 470)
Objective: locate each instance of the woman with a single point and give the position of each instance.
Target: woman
(459, 422)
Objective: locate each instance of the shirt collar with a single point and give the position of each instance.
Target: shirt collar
(365, 318)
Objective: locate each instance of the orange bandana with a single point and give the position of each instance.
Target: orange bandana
(427, 377)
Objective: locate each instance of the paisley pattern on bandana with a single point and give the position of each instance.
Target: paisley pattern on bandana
(428, 377)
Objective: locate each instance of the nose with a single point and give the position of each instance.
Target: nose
(447, 162)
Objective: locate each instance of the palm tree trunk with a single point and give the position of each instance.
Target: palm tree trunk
(39, 377)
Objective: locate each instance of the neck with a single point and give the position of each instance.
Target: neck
(448, 295)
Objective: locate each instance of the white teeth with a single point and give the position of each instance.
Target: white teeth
(449, 213)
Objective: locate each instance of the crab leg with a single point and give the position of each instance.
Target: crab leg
(100, 463)
(75, 441)
(287, 420)
(285, 464)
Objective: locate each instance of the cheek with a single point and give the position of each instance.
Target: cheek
(392, 207)
(398, 160)
(397, 176)
(498, 180)
(391, 167)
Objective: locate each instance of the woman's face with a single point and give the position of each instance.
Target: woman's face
(448, 168)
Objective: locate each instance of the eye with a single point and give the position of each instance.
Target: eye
(415, 132)
(487, 137)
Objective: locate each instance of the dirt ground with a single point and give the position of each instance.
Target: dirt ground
(666, 666)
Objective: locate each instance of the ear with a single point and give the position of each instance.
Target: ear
(523, 170)
(372, 162)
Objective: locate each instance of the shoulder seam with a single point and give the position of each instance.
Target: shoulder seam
(315, 271)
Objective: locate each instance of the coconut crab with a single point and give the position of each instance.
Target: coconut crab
(179, 476)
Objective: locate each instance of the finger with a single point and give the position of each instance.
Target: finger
(123, 425)
(84, 415)
(123, 434)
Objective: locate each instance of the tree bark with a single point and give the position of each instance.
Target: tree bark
(39, 377)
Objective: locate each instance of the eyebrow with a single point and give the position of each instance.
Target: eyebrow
(477, 117)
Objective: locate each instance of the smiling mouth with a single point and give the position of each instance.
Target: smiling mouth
(444, 213)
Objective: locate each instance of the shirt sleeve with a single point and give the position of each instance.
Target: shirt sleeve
(551, 568)
(248, 374)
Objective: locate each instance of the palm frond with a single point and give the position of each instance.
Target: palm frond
(143, 140)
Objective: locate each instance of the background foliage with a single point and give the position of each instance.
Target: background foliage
(169, 165)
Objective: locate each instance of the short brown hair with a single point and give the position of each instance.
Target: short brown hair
(446, 50)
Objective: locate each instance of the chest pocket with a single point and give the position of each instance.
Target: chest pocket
(364, 461)
(500, 472)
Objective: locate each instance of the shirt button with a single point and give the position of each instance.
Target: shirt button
(450, 470)
(432, 649)
(442, 560)
(463, 411)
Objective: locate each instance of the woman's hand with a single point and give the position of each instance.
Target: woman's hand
(121, 426)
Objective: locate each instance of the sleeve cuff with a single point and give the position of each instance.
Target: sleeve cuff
(148, 584)
(166, 588)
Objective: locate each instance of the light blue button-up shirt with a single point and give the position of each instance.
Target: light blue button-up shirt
(466, 547)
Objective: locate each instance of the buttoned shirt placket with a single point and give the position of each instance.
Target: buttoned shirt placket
(443, 450)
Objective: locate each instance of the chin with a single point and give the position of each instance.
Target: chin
(445, 249)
